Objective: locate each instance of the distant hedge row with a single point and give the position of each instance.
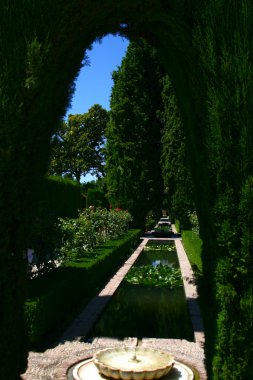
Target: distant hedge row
(96, 197)
(58, 197)
(61, 197)
(55, 298)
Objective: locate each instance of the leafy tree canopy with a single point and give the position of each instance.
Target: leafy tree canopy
(77, 147)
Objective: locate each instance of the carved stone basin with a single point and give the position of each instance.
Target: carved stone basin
(128, 363)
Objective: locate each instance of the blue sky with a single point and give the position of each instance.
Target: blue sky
(94, 82)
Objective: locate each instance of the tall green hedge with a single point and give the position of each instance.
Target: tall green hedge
(225, 44)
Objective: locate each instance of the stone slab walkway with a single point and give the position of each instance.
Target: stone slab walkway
(54, 363)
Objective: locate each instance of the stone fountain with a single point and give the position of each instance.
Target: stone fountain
(128, 363)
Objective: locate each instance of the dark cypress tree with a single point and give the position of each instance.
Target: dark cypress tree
(133, 134)
(175, 167)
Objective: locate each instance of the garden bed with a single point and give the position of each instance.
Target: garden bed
(56, 298)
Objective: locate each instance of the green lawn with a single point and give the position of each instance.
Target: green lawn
(192, 245)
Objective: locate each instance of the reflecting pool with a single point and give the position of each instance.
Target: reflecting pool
(145, 311)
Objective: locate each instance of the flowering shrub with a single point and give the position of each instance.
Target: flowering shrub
(149, 222)
(193, 217)
(92, 227)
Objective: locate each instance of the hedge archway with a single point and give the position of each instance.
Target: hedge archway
(42, 47)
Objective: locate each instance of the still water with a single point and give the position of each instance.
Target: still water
(141, 311)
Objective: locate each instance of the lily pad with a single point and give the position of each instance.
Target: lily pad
(159, 276)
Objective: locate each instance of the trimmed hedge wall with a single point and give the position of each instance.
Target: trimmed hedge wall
(96, 197)
(61, 197)
(58, 197)
(55, 298)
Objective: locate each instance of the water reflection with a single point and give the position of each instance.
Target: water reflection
(162, 262)
(146, 312)
(155, 257)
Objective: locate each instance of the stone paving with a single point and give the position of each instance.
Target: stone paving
(54, 363)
